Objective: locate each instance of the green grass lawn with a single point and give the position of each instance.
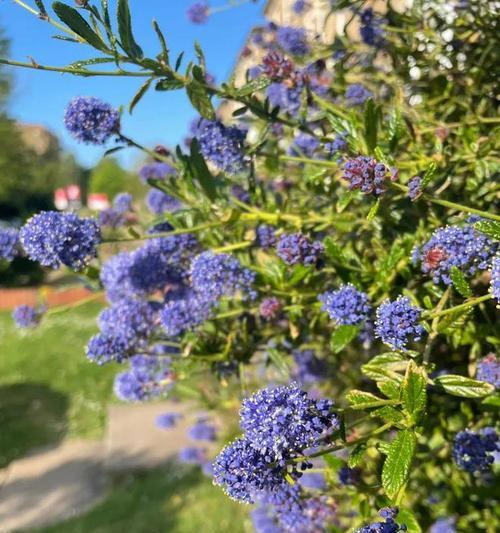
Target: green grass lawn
(171, 500)
(50, 391)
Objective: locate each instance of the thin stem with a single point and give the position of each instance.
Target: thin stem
(309, 161)
(48, 19)
(76, 71)
(152, 153)
(66, 307)
(234, 312)
(230, 247)
(354, 442)
(179, 231)
(467, 304)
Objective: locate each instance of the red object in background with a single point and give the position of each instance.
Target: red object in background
(97, 201)
(68, 197)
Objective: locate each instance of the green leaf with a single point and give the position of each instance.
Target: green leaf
(373, 210)
(356, 456)
(489, 227)
(406, 517)
(414, 389)
(125, 30)
(298, 274)
(371, 117)
(389, 389)
(493, 400)
(41, 7)
(460, 282)
(163, 43)
(200, 171)
(429, 174)
(279, 361)
(388, 414)
(253, 86)
(200, 99)
(385, 367)
(139, 94)
(463, 386)
(169, 84)
(359, 399)
(397, 463)
(334, 463)
(334, 251)
(342, 336)
(79, 25)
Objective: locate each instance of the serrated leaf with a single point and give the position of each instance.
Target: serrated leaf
(373, 210)
(397, 464)
(253, 86)
(428, 175)
(489, 227)
(139, 94)
(414, 389)
(356, 456)
(388, 414)
(342, 336)
(363, 400)
(125, 31)
(460, 282)
(464, 387)
(200, 99)
(79, 25)
(389, 389)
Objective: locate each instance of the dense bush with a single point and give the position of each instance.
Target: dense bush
(328, 261)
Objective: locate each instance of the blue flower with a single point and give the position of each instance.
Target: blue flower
(284, 421)
(167, 420)
(203, 430)
(53, 238)
(222, 145)
(123, 202)
(444, 525)
(266, 236)
(294, 248)
(495, 278)
(243, 472)
(461, 246)
(366, 174)
(198, 13)
(287, 98)
(473, 450)
(155, 171)
(159, 202)
(26, 316)
(349, 476)
(292, 40)
(193, 455)
(304, 145)
(148, 377)
(262, 521)
(488, 369)
(115, 276)
(357, 94)
(389, 526)
(339, 144)
(414, 188)
(9, 243)
(90, 120)
(346, 305)
(299, 6)
(218, 275)
(184, 311)
(309, 369)
(276, 67)
(397, 323)
(371, 30)
(111, 218)
(106, 347)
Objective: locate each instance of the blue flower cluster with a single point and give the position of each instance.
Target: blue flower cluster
(304, 145)
(266, 236)
(90, 120)
(346, 305)
(167, 420)
(122, 202)
(294, 248)
(198, 13)
(366, 174)
(371, 30)
(218, 275)
(488, 369)
(414, 188)
(276, 67)
(461, 246)
(193, 455)
(357, 94)
(397, 323)
(203, 430)
(9, 243)
(309, 368)
(114, 217)
(349, 476)
(106, 347)
(389, 526)
(26, 316)
(299, 6)
(495, 278)
(279, 423)
(183, 311)
(473, 451)
(148, 377)
(339, 144)
(222, 145)
(53, 238)
(444, 525)
(292, 40)
(156, 170)
(159, 202)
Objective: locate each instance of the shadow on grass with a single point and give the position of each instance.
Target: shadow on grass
(171, 499)
(31, 415)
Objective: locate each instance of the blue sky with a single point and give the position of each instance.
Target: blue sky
(40, 97)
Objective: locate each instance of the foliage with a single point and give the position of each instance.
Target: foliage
(327, 167)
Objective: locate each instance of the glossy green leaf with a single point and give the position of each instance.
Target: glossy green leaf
(342, 336)
(125, 31)
(397, 464)
(414, 389)
(356, 455)
(463, 386)
(460, 282)
(200, 99)
(139, 94)
(490, 228)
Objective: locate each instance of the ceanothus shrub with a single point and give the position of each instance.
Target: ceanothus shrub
(326, 258)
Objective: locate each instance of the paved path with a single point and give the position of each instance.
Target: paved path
(53, 484)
